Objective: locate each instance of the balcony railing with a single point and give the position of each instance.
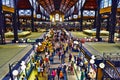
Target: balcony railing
(110, 71)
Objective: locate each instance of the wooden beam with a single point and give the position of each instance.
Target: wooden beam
(62, 5)
(72, 3)
(67, 6)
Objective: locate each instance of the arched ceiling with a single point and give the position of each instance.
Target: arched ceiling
(60, 5)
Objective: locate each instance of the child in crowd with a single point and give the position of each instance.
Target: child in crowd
(53, 74)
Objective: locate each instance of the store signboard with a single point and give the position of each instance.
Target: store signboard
(7, 9)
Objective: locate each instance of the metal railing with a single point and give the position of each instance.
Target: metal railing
(110, 70)
(112, 56)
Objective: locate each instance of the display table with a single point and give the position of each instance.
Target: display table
(20, 34)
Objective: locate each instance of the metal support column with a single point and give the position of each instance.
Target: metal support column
(32, 18)
(15, 26)
(107, 24)
(98, 21)
(18, 17)
(26, 24)
(81, 20)
(95, 19)
(2, 36)
(4, 23)
(112, 21)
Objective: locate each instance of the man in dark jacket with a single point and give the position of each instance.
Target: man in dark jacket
(58, 72)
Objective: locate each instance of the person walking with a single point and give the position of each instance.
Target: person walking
(64, 68)
(53, 74)
(82, 74)
(61, 75)
(70, 57)
(62, 58)
(36, 77)
(59, 54)
(74, 58)
(38, 70)
(58, 72)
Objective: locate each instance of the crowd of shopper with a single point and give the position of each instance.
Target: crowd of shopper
(62, 45)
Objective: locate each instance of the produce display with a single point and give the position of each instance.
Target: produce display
(47, 43)
(93, 32)
(20, 34)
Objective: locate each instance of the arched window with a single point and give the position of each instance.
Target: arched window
(21, 12)
(105, 3)
(57, 17)
(8, 3)
(88, 13)
(27, 12)
(3, 2)
(38, 15)
(119, 4)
